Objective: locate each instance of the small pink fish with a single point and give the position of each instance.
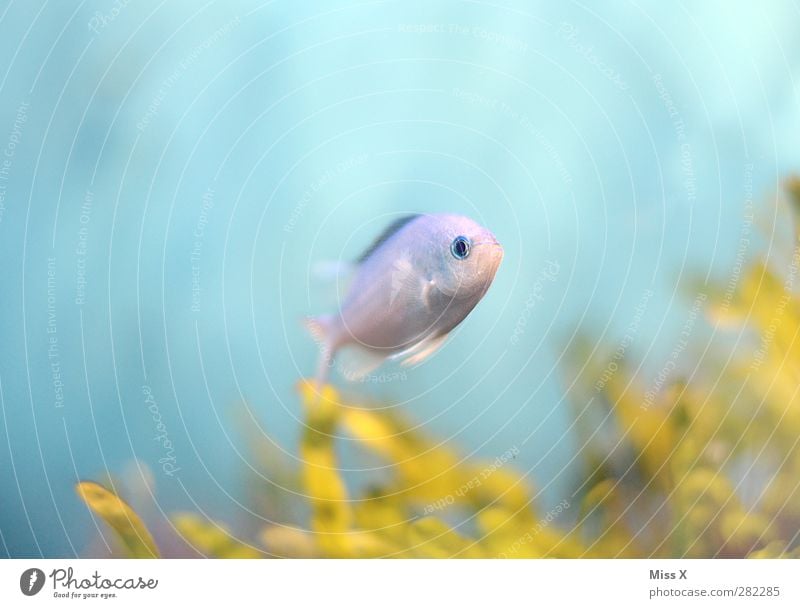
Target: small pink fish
(419, 279)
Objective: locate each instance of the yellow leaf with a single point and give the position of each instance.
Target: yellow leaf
(777, 549)
(211, 539)
(744, 531)
(430, 537)
(120, 517)
(288, 541)
(331, 517)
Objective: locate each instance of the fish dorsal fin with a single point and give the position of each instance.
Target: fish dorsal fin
(386, 235)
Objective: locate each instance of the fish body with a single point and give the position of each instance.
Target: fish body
(421, 278)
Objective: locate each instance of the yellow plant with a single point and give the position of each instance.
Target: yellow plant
(707, 465)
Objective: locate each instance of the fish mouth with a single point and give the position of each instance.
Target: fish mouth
(490, 241)
(496, 253)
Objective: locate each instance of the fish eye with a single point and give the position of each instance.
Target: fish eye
(460, 247)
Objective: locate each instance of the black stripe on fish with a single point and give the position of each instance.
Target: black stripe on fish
(384, 236)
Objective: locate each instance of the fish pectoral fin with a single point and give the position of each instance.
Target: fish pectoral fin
(428, 287)
(421, 351)
(355, 362)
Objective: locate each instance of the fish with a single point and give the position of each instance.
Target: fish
(412, 286)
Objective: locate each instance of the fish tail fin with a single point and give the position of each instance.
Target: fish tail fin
(319, 328)
(353, 363)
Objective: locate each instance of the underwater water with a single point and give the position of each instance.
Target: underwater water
(174, 174)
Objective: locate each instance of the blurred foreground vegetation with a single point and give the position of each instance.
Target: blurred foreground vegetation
(703, 461)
